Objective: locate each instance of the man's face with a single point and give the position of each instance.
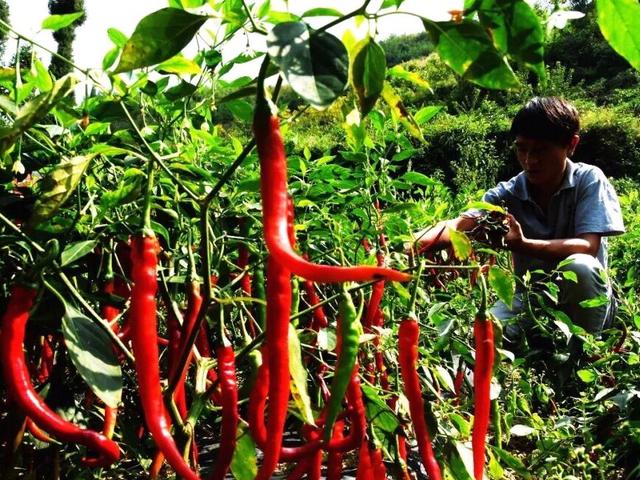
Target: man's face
(542, 161)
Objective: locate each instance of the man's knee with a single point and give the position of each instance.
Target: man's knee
(587, 268)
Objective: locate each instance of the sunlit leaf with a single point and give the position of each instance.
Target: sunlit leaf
(158, 37)
(57, 22)
(503, 283)
(244, 464)
(58, 186)
(515, 30)
(468, 50)
(315, 66)
(461, 244)
(76, 251)
(90, 350)
(400, 112)
(367, 72)
(619, 22)
(299, 377)
(179, 65)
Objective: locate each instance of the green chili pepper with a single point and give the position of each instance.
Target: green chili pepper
(349, 329)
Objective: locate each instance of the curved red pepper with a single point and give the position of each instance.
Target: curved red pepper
(408, 336)
(483, 368)
(273, 187)
(230, 416)
(18, 381)
(277, 334)
(142, 318)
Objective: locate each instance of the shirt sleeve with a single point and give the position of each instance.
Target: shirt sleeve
(496, 195)
(597, 207)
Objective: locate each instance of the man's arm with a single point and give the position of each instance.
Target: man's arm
(437, 237)
(556, 249)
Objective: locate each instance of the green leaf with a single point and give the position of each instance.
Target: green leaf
(244, 464)
(503, 283)
(76, 251)
(158, 37)
(516, 31)
(315, 66)
(179, 65)
(322, 12)
(110, 58)
(385, 423)
(241, 109)
(118, 38)
(587, 376)
(400, 112)
(40, 76)
(467, 49)
(58, 186)
(484, 206)
(367, 72)
(461, 244)
(460, 461)
(512, 462)
(56, 22)
(427, 113)
(619, 22)
(34, 111)
(183, 89)
(595, 302)
(90, 350)
(129, 189)
(418, 178)
(299, 378)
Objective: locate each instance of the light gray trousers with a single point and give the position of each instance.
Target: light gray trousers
(592, 282)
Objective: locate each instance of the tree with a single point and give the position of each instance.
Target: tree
(65, 36)
(4, 16)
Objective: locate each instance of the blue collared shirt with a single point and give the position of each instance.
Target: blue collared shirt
(585, 203)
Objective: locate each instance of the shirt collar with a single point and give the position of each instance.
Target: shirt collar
(520, 187)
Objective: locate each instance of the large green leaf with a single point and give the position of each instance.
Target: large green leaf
(367, 71)
(400, 112)
(244, 465)
(316, 66)
(76, 251)
(158, 37)
(57, 22)
(299, 377)
(58, 186)
(34, 110)
(468, 50)
(515, 30)
(503, 283)
(90, 350)
(383, 420)
(619, 21)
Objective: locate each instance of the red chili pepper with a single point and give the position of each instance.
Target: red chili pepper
(365, 468)
(483, 368)
(273, 184)
(408, 336)
(37, 432)
(230, 416)
(334, 462)
(277, 334)
(173, 357)
(46, 359)
(319, 316)
(142, 317)
(457, 385)
(18, 382)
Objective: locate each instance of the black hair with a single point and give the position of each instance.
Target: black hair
(550, 119)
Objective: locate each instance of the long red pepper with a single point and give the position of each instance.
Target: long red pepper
(230, 416)
(334, 461)
(142, 318)
(408, 336)
(173, 357)
(273, 186)
(482, 371)
(37, 432)
(18, 381)
(277, 334)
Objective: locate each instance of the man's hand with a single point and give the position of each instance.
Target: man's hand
(514, 239)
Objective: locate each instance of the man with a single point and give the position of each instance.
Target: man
(558, 210)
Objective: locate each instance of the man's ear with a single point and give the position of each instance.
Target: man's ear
(572, 145)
